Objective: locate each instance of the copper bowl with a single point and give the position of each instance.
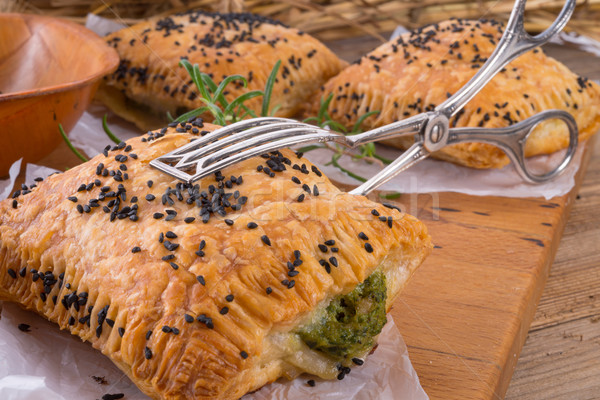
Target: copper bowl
(49, 71)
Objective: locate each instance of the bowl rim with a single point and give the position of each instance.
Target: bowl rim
(108, 53)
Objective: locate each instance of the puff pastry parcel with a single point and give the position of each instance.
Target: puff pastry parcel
(420, 69)
(149, 81)
(213, 290)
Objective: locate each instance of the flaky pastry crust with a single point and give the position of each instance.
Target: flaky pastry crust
(420, 69)
(222, 45)
(182, 287)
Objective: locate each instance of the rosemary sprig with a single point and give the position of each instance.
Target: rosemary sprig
(211, 94)
(108, 131)
(68, 142)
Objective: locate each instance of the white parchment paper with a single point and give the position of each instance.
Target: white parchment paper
(49, 364)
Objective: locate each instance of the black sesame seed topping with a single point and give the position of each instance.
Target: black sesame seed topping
(24, 327)
(368, 248)
(358, 361)
(147, 353)
(363, 236)
(323, 248)
(229, 298)
(136, 249)
(224, 310)
(265, 240)
(311, 382)
(333, 261)
(200, 279)
(12, 273)
(188, 318)
(173, 265)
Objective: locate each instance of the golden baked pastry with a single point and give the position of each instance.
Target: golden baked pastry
(420, 69)
(213, 290)
(149, 81)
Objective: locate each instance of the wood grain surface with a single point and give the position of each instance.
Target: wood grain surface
(468, 311)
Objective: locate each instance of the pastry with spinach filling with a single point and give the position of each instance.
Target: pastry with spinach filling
(211, 290)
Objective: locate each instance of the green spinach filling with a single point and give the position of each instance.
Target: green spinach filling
(348, 325)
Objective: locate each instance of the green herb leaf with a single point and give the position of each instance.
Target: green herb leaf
(68, 142)
(334, 162)
(108, 131)
(390, 196)
(269, 89)
(241, 99)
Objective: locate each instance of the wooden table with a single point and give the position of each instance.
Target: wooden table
(560, 357)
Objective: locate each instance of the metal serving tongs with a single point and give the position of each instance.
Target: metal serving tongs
(245, 139)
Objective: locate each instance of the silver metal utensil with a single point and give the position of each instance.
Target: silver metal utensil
(240, 141)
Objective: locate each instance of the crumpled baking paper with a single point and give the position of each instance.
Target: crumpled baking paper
(50, 364)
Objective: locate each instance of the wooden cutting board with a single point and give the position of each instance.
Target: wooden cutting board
(466, 313)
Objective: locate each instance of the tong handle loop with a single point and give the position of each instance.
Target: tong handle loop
(512, 141)
(514, 42)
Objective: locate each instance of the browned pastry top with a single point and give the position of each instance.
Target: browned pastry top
(222, 45)
(420, 69)
(178, 284)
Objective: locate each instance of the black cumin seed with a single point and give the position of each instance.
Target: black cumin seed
(136, 249)
(368, 247)
(291, 284)
(158, 215)
(265, 240)
(148, 334)
(315, 190)
(229, 298)
(202, 244)
(269, 290)
(293, 273)
(115, 396)
(150, 197)
(188, 318)
(375, 213)
(358, 361)
(224, 310)
(166, 329)
(243, 354)
(297, 254)
(173, 265)
(189, 220)
(24, 327)
(311, 382)
(229, 222)
(382, 218)
(363, 236)
(175, 331)
(12, 273)
(168, 257)
(23, 272)
(330, 242)
(295, 180)
(301, 198)
(149, 183)
(200, 253)
(171, 235)
(200, 279)
(252, 225)
(341, 376)
(121, 331)
(147, 353)
(80, 208)
(323, 248)
(73, 199)
(333, 261)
